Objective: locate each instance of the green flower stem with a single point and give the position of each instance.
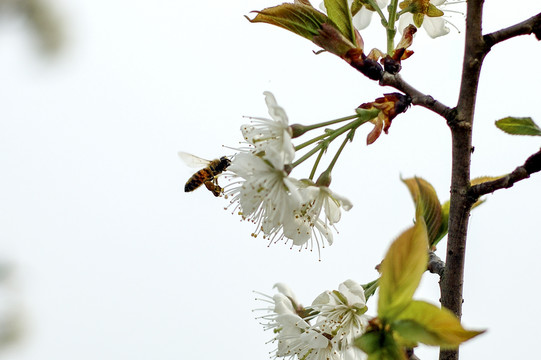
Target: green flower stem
(316, 163)
(391, 31)
(323, 136)
(363, 117)
(402, 12)
(378, 10)
(348, 138)
(310, 142)
(321, 145)
(301, 129)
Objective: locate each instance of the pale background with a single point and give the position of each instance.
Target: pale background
(112, 260)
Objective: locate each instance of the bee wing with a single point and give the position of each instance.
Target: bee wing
(192, 160)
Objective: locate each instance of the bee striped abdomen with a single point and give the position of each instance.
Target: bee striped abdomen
(198, 179)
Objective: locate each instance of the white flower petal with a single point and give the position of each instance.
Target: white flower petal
(437, 2)
(296, 229)
(435, 26)
(362, 19)
(322, 299)
(315, 340)
(285, 290)
(404, 21)
(276, 112)
(282, 304)
(332, 210)
(292, 323)
(353, 292)
(325, 231)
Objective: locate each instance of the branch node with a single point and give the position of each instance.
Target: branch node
(435, 264)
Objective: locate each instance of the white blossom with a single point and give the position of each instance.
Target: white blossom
(262, 191)
(340, 320)
(342, 312)
(282, 207)
(318, 213)
(271, 136)
(279, 304)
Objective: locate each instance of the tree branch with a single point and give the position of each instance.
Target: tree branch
(451, 283)
(527, 27)
(532, 165)
(417, 97)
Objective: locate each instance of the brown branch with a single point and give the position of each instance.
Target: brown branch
(417, 97)
(526, 27)
(451, 284)
(530, 166)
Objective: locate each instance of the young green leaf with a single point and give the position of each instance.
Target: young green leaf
(304, 20)
(340, 14)
(301, 19)
(427, 203)
(370, 288)
(518, 126)
(401, 271)
(444, 227)
(431, 325)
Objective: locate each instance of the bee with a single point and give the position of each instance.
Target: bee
(207, 175)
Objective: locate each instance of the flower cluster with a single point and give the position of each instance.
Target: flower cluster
(263, 192)
(338, 318)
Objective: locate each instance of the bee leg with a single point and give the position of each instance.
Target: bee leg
(218, 191)
(213, 188)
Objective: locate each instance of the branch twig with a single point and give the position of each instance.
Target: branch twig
(417, 97)
(526, 27)
(530, 166)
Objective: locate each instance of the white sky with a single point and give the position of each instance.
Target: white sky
(113, 260)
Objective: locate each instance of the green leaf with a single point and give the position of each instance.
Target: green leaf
(339, 13)
(518, 126)
(431, 325)
(427, 204)
(299, 18)
(444, 227)
(380, 345)
(304, 20)
(401, 271)
(370, 288)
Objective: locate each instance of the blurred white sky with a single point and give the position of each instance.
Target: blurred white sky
(113, 260)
